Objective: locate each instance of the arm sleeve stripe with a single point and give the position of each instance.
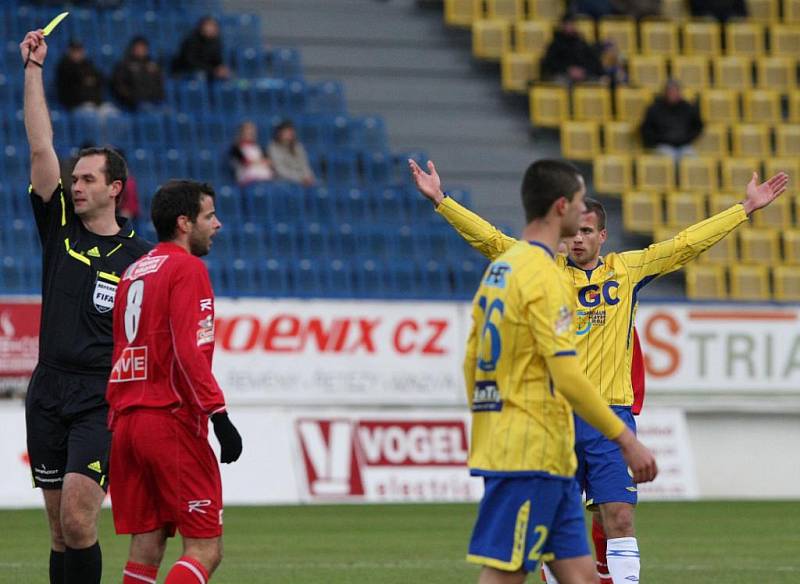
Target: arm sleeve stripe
(565, 354)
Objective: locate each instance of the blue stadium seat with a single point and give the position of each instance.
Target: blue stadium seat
(404, 278)
(85, 127)
(313, 130)
(181, 131)
(341, 167)
(252, 240)
(296, 97)
(307, 278)
(14, 278)
(351, 205)
(242, 26)
(466, 276)
(340, 132)
(251, 62)
(326, 97)
(380, 240)
(228, 205)
(273, 276)
(371, 280)
(230, 97)
(242, 277)
(267, 96)
(340, 278)
(256, 201)
(215, 129)
(285, 63)
(224, 245)
(436, 280)
(116, 26)
(209, 166)
(142, 163)
(283, 240)
(149, 128)
(321, 205)
(369, 133)
(377, 167)
(173, 164)
(14, 165)
(192, 96)
(407, 243)
(117, 129)
(389, 205)
(219, 279)
(315, 240)
(20, 238)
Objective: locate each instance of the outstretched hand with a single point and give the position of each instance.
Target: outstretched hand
(761, 195)
(33, 46)
(428, 183)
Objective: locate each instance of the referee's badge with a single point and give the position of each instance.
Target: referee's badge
(104, 294)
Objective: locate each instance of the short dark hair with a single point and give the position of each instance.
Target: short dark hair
(283, 125)
(596, 207)
(544, 183)
(116, 168)
(176, 198)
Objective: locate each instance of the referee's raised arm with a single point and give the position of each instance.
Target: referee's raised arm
(45, 171)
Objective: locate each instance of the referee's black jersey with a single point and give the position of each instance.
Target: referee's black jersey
(80, 272)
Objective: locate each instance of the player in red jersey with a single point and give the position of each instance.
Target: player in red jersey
(162, 393)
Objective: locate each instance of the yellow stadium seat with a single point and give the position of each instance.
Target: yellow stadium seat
(586, 27)
(655, 172)
(612, 174)
(549, 105)
(621, 138)
(518, 70)
(701, 38)
(659, 37)
(737, 172)
(791, 166)
(751, 140)
(778, 73)
(777, 214)
(685, 209)
(744, 38)
(632, 102)
(733, 72)
(763, 11)
(580, 140)
(723, 252)
(546, 9)
(794, 106)
(698, 173)
(490, 39)
(648, 71)
(532, 36)
(691, 71)
(511, 10)
(713, 141)
(749, 282)
(674, 9)
(786, 283)
(706, 282)
(784, 40)
(762, 106)
(641, 211)
(791, 11)
(719, 202)
(591, 102)
(791, 246)
(719, 105)
(759, 245)
(458, 12)
(621, 31)
(787, 140)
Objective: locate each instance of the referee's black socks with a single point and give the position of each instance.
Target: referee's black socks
(83, 566)
(56, 567)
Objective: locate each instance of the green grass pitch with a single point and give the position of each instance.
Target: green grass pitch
(697, 543)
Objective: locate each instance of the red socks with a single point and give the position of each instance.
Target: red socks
(134, 573)
(187, 571)
(599, 539)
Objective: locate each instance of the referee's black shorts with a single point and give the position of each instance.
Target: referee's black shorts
(66, 420)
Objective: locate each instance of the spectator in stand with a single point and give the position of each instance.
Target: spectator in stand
(79, 83)
(201, 51)
(128, 205)
(637, 8)
(569, 58)
(722, 10)
(249, 161)
(138, 80)
(671, 124)
(594, 8)
(288, 155)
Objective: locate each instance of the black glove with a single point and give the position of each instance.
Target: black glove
(229, 438)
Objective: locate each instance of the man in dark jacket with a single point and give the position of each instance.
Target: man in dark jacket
(137, 78)
(201, 51)
(671, 124)
(569, 57)
(722, 10)
(78, 81)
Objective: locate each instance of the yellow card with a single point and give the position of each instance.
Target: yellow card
(54, 23)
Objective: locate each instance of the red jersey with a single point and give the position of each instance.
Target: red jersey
(637, 375)
(164, 338)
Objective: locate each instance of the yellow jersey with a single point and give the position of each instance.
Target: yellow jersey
(605, 298)
(521, 315)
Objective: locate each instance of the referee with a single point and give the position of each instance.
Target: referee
(85, 249)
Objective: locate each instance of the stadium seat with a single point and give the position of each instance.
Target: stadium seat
(174, 163)
(719, 202)
(632, 102)
(719, 105)
(713, 142)
(692, 71)
(698, 173)
(368, 133)
(648, 71)
(296, 97)
(685, 209)
(285, 63)
(621, 138)
(751, 140)
(705, 281)
(149, 128)
(759, 245)
(191, 96)
(307, 278)
(619, 30)
(377, 168)
(230, 97)
(580, 140)
(210, 166)
(655, 172)
(242, 277)
(701, 38)
(787, 140)
(762, 106)
(351, 205)
(458, 12)
(732, 72)
(591, 103)
(725, 251)
(85, 127)
(659, 37)
(612, 174)
(749, 282)
(435, 280)
(181, 130)
(388, 204)
(641, 211)
(763, 11)
(776, 73)
(371, 279)
(338, 278)
(545, 9)
(549, 105)
(404, 279)
(466, 275)
(744, 38)
(341, 167)
(228, 204)
(490, 38)
(273, 276)
(784, 40)
(791, 246)
(511, 10)
(532, 36)
(13, 276)
(327, 97)
(737, 172)
(674, 9)
(253, 239)
(251, 62)
(267, 96)
(786, 283)
(518, 70)
(777, 214)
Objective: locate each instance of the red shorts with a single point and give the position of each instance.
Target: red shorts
(164, 475)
